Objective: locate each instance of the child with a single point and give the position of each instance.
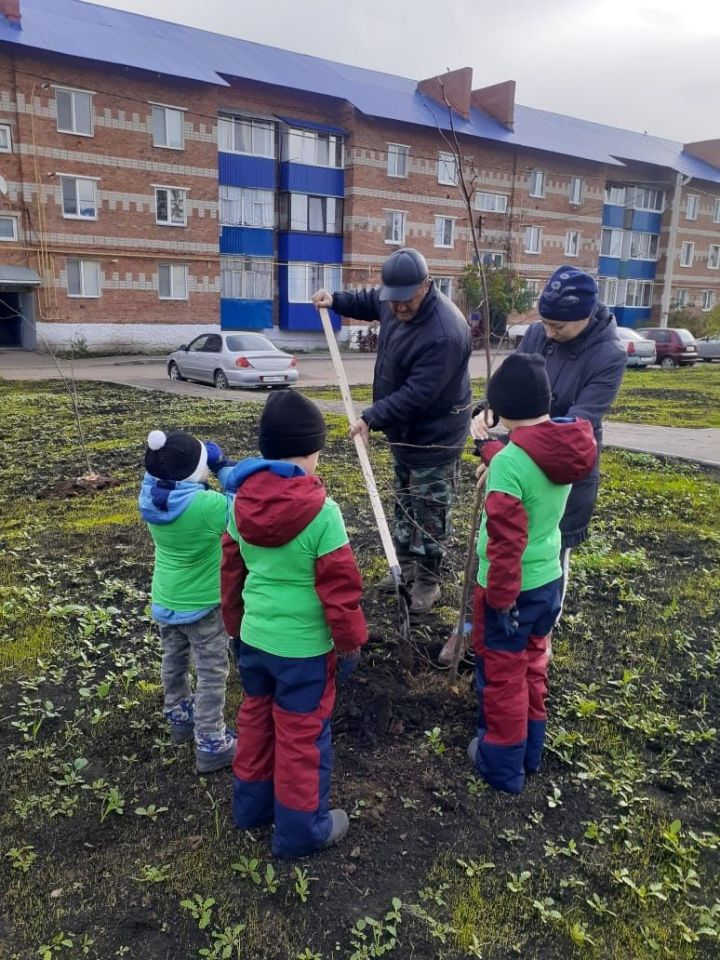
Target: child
(290, 576)
(517, 599)
(186, 521)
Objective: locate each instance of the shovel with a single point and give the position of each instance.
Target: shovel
(405, 650)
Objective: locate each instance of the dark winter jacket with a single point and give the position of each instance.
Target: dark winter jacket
(585, 376)
(421, 385)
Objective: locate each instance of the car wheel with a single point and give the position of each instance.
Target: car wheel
(174, 371)
(668, 363)
(220, 380)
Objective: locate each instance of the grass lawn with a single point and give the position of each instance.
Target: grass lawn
(112, 846)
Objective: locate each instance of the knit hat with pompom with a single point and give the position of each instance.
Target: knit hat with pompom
(175, 456)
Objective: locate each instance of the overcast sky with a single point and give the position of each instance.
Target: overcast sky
(648, 65)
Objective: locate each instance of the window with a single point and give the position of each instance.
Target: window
(608, 290)
(8, 228)
(643, 246)
(611, 243)
(74, 112)
(170, 206)
(314, 148)
(716, 212)
(615, 195)
(444, 231)
(83, 278)
(246, 278)
(687, 254)
(5, 138)
(491, 202)
(444, 285)
(713, 261)
(576, 191)
(638, 293)
(305, 279)
(707, 298)
(305, 213)
(532, 239)
(397, 160)
(572, 243)
(244, 207)
(78, 198)
(537, 184)
(245, 135)
(533, 287)
(448, 169)
(681, 297)
(173, 281)
(394, 227)
(691, 206)
(492, 258)
(646, 198)
(167, 125)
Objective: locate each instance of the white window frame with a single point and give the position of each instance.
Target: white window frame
(238, 207)
(171, 268)
(658, 195)
(226, 135)
(165, 108)
(616, 242)
(708, 300)
(6, 146)
(692, 205)
(572, 249)
(446, 282)
(303, 200)
(247, 279)
(491, 202)
(530, 233)
(576, 190)
(536, 184)
(330, 279)
(447, 169)
(639, 237)
(84, 268)
(169, 222)
(395, 153)
(638, 287)
(687, 253)
(73, 92)
(713, 260)
(608, 290)
(439, 231)
(390, 220)
(681, 297)
(14, 221)
(309, 154)
(533, 286)
(716, 211)
(615, 195)
(492, 258)
(78, 216)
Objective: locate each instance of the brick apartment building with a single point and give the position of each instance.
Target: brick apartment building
(158, 181)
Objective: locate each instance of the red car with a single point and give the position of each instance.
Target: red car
(674, 345)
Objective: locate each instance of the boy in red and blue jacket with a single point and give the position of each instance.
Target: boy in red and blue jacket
(517, 598)
(291, 593)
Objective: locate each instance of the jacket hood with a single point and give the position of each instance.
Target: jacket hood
(274, 500)
(564, 449)
(162, 501)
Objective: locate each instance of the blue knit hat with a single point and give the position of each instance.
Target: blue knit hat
(569, 295)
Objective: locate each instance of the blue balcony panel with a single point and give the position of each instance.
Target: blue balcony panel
(641, 269)
(322, 181)
(613, 216)
(632, 316)
(247, 240)
(646, 221)
(238, 170)
(310, 248)
(299, 316)
(608, 267)
(245, 314)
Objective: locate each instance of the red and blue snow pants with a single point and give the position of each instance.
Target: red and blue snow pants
(511, 683)
(284, 755)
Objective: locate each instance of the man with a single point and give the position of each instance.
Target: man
(421, 402)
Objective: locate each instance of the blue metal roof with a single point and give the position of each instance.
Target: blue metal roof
(79, 29)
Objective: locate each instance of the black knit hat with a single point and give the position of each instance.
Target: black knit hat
(520, 388)
(174, 456)
(290, 426)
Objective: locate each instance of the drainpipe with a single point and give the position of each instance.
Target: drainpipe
(680, 182)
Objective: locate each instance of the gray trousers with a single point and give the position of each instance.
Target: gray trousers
(207, 643)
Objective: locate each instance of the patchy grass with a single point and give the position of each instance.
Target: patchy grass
(111, 845)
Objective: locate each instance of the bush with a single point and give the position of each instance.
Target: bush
(367, 340)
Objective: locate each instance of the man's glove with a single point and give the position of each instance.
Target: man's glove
(216, 459)
(346, 664)
(508, 620)
(481, 407)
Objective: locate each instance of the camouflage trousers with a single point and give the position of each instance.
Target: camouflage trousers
(423, 498)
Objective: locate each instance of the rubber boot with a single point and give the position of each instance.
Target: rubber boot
(407, 565)
(425, 592)
(214, 751)
(340, 825)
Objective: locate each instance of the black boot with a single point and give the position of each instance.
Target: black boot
(426, 589)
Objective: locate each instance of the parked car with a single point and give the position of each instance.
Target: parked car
(709, 347)
(674, 345)
(640, 350)
(237, 359)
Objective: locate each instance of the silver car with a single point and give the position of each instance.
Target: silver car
(640, 351)
(709, 347)
(237, 359)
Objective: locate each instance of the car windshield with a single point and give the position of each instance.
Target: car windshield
(247, 342)
(685, 336)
